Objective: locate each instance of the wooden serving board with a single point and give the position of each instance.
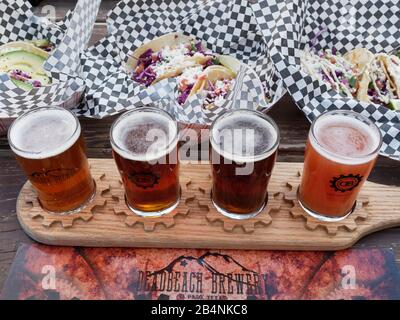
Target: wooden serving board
(195, 223)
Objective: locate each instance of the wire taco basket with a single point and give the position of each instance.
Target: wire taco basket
(333, 55)
(215, 29)
(40, 60)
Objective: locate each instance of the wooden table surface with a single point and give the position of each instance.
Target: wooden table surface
(291, 121)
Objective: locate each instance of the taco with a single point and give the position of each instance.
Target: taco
(359, 74)
(332, 68)
(23, 62)
(186, 82)
(392, 67)
(203, 79)
(166, 57)
(215, 87)
(214, 82)
(361, 58)
(379, 83)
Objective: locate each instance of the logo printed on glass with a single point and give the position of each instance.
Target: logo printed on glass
(345, 183)
(144, 180)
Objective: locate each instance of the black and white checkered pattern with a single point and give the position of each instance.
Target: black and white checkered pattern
(372, 24)
(17, 22)
(227, 27)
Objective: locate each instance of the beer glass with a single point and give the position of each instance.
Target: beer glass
(243, 152)
(145, 149)
(50, 148)
(341, 151)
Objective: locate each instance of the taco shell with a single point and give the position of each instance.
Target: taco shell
(360, 57)
(392, 69)
(362, 92)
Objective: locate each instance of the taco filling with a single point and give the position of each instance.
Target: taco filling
(216, 93)
(377, 90)
(215, 83)
(358, 74)
(186, 82)
(195, 68)
(170, 61)
(333, 69)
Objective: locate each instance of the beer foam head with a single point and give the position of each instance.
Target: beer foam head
(144, 135)
(44, 133)
(244, 136)
(345, 139)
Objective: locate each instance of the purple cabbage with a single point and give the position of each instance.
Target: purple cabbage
(209, 63)
(211, 94)
(146, 77)
(198, 47)
(212, 88)
(325, 77)
(147, 60)
(212, 62)
(36, 84)
(184, 94)
(147, 54)
(372, 92)
(19, 75)
(339, 73)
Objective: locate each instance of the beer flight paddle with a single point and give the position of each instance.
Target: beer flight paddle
(252, 194)
(191, 228)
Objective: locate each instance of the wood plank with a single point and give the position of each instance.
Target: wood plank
(99, 32)
(194, 230)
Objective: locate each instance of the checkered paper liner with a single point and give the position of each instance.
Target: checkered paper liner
(226, 27)
(70, 36)
(343, 25)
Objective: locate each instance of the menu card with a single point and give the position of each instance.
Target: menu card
(43, 272)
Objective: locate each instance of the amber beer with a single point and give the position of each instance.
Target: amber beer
(50, 149)
(243, 151)
(341, 151)
(144, 143)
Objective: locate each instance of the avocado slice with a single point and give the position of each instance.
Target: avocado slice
(42, 44)
(27, 62)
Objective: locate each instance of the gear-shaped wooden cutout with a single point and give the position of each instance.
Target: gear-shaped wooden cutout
(349, 223)
(48, 219)
(149, 223)
(228, 224)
